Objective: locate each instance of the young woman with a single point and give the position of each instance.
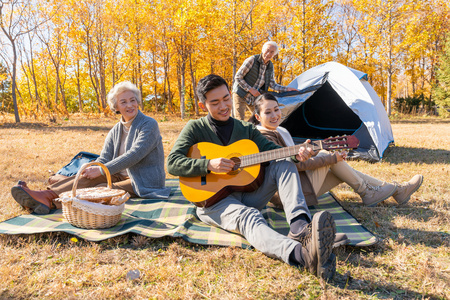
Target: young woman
(133, 153)
(326, 170)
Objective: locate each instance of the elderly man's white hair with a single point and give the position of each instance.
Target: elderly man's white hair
(121, 87)
(270, 43)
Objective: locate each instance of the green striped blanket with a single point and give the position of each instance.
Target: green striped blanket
(176, 217)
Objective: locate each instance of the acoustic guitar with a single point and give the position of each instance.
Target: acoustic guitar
(247, 174)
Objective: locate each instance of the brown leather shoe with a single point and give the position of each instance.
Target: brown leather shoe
(323, 232)
(40, 202)
(317, 246)
(340, 239)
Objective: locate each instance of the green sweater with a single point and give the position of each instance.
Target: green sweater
(200, 130)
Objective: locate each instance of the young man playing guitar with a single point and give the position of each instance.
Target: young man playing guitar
(240, 211)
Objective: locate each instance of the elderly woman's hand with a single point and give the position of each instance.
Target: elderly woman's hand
(92, 172)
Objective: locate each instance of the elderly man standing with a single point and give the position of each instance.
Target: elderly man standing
(253, 78)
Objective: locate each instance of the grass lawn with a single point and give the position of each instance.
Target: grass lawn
(411, 261)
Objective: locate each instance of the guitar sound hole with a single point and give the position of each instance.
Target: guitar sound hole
(237, 165)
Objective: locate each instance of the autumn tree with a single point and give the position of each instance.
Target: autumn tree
(426, 32)
(5, 88)
(313, 33)
(164, 47)
(441, 90)
(384, 24)
(16, 20)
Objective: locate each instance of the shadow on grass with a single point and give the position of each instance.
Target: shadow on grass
(46, 127)
(396, 155)
(380, 290)
(409, 236)
(6, 295)
(381, 221)
(372, 285)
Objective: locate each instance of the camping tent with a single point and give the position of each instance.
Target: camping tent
(337, 100)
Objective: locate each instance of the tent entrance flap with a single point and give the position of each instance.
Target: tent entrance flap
(332, 99)
(325, 114)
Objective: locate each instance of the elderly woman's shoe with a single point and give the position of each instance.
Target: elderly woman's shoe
(40, 202)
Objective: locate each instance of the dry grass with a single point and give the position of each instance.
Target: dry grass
(412, 259)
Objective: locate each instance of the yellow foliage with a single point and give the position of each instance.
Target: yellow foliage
(82, 48)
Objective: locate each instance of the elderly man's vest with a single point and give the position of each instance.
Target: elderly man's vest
(252, 76)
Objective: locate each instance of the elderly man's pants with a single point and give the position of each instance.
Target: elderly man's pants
(239, 107)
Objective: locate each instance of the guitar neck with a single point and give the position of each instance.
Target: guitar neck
(262, 157)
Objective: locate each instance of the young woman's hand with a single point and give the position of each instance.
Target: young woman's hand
(341, 156)
(304, 153)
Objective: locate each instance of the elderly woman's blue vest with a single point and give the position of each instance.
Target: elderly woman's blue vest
(252, 76)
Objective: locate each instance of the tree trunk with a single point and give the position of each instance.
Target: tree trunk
(49, 106)
(388, 93)
(33, 76)
(102, 79)
(183, 92)
(182, 87)
(77, 74)
(304, 35)
(13, 87)
(28, 84)
(92, 73)
(194, 85)
(155, 79)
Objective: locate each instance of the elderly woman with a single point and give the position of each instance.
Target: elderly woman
(133, 154)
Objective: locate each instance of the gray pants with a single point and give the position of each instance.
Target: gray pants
(240, 212)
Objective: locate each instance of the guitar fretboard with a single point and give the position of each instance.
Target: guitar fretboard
(258, 158)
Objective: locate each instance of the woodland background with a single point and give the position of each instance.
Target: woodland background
(61, 57)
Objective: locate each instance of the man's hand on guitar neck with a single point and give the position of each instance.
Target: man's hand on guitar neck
(220, 165)
(304, 153)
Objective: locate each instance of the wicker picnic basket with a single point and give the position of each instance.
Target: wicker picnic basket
(93, 208)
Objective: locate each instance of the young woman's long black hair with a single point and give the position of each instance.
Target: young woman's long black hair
(258, 102)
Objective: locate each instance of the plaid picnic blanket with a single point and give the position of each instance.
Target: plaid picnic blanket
(176, 217)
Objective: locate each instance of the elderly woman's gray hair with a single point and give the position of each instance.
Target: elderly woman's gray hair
(119, 88)
(268, 44)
